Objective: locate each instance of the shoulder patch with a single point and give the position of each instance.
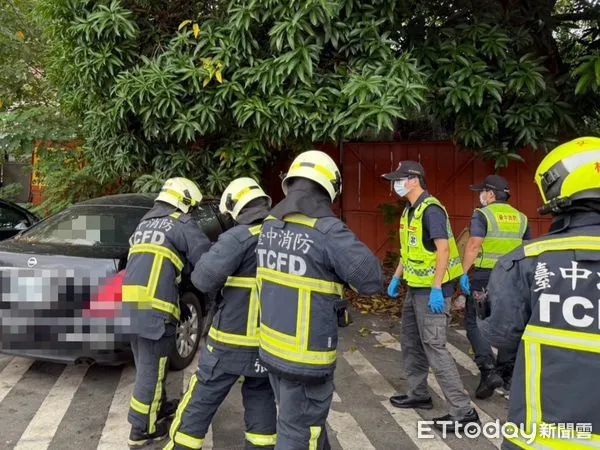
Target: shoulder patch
(242, 233)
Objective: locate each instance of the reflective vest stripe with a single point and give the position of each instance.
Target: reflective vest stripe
(139, 295)
(500, 239)
(569, 243)
(290, 352)
(154, 249)
(549, 443)
(296, 282)
(255, 230)
(303, 319)
(533, 356)
(261, 440)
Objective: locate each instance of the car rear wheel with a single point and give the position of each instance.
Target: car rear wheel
(189, 332)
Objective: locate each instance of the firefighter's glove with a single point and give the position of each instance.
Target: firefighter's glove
(465, 285)
(436, 301)
(393, 289)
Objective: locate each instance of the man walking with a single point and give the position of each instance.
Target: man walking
(496, 229)
(430, 265)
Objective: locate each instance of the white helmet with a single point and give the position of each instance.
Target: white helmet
(181, 193)
(238, 194)
(318, 167)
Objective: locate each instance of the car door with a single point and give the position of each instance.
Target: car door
(12, 221)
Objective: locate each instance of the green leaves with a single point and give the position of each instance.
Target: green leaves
(587, 75)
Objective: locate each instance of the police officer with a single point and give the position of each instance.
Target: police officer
(166, 239)
(544, 299)
(496, 229)
(430, 265)
(305, 256)
(231, 349)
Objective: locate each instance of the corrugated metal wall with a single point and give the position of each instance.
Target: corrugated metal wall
(449, 172)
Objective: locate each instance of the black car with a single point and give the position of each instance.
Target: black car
(61, 280)
(14, 219)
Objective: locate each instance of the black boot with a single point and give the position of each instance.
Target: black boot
(490, 380)
(403, 401)
(138, 438)
(451, 423)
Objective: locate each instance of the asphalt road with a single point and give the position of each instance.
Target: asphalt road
(57, 407)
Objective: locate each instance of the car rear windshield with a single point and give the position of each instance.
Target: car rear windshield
(97, 225)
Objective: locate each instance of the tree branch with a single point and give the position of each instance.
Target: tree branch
(573, 17)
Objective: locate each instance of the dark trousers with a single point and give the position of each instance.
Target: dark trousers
(303, 410)
(207, 390)
(151, 363)
(484, 357)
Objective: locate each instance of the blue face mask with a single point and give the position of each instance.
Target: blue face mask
(400, 187)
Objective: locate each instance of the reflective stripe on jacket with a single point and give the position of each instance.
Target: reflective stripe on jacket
(303, 264)
(505, 229)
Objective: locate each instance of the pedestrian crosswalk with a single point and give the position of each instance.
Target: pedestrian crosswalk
(52, 406)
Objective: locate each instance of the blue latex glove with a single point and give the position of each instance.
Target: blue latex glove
(465, 285)
(436, 301)
(394, 287)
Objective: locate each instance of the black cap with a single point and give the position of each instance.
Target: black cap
(492, 183)
(405, 169)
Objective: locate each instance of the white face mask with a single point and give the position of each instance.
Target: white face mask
(482, 199)
(400, 187)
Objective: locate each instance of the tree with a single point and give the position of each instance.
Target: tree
(29, 110)
(214, 89)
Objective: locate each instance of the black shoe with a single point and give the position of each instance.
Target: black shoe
(490, 380)
(168, 409)
(402, 401)
(138, 438)
(450, 423)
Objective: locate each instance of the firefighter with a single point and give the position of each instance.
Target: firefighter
(496, 229)
(166, 243)
(231, 349)
(544, 299)
(430, 265)
(305, 256)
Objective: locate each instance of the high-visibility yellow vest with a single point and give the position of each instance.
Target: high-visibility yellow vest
(249, 322)
(419, 263)
(505, 228)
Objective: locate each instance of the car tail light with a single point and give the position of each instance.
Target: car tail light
(107, 302)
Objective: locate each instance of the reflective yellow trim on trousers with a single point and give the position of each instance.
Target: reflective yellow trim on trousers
(139, 407)
(569, 243)
(315, 433)
(176, 436)
(285, 351)
(156, 250)
(158, 391)
(261, 440)
(139, 295)
(298, 282)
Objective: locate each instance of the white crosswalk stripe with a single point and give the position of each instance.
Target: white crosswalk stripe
(390, 342)
(44, 424)
(49, 426)
(12, 373)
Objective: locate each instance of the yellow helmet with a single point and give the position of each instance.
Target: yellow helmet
(569, 172)
(238, 194)
(181, 193)
(318, 167)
